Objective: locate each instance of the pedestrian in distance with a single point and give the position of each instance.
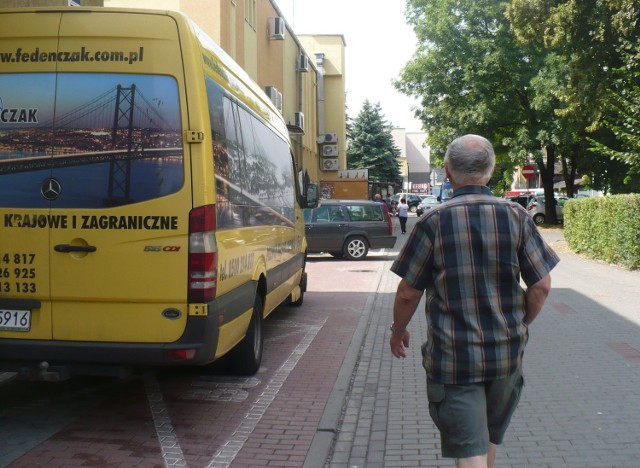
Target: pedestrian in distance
(378, 199)
(468, 256)
(403, 214)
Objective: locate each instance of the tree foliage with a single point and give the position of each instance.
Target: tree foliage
(371, 146)
(598, 44)
(543, 79)
(472, 75)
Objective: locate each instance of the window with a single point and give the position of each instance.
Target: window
(98, 163)
(250, 12)
(365, 213)
(329, 213)
(253, 166)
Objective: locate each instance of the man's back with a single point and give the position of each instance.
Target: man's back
(469, 255)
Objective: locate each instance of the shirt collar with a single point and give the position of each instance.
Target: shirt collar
(472, 190)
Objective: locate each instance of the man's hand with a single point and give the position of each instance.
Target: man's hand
(404, 305)
(399, 344)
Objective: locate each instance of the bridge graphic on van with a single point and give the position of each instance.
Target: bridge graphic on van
(118, 126)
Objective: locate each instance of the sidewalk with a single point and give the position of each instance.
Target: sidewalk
(580, 406)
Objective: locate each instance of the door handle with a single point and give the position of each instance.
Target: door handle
(66, 248)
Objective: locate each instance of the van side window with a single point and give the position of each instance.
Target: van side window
(253, 166)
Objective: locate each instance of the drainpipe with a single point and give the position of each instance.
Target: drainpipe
(320, 66)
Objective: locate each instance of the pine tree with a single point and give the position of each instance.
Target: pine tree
(372, 146)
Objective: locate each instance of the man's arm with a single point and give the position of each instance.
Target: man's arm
(404, 306)
(536, 296)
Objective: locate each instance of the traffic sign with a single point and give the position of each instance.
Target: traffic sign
(528, 171)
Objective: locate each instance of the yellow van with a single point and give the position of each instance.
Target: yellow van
(150, 212)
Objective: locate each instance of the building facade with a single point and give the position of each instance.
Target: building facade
(419, 176)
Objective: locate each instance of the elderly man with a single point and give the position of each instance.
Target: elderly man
(468, 256)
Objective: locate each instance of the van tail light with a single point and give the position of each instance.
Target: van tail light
(203, 254)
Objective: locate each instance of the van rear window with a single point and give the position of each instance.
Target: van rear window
(79, 140)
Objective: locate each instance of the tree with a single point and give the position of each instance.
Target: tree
(599, 46)
(472, 75)
(371, 146)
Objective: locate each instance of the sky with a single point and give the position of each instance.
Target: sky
(379, 43)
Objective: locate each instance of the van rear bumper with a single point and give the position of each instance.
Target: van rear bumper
(201, 335)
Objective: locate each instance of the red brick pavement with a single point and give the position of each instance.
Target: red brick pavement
(120, 432)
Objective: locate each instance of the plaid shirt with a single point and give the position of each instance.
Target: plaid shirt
(469, 254)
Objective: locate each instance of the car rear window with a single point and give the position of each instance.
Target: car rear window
(365, 212)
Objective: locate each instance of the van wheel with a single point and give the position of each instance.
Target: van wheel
(538, 218)
(303, 288)
(246, 357)
(355, 248)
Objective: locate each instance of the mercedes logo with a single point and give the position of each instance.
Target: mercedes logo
(50, 189)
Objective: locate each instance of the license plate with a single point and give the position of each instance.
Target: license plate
(15, 320)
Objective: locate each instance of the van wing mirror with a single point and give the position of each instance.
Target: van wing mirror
(311, 198)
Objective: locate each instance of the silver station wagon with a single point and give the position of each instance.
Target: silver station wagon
(348, 228)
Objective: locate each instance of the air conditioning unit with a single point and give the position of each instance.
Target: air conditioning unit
(272, 93)
(330, 164)
(327, 138)
(330, 151)
(303, 63)
(276, 28)
(299, 120)
(275, 96)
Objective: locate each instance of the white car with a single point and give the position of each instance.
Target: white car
(428, 202)
(536, 209)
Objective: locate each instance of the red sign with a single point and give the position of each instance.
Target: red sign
(528, 171)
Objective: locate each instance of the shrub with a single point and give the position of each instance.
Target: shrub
(605, 228)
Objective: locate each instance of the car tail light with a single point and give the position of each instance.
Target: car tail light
(203, 254)
(389, 222)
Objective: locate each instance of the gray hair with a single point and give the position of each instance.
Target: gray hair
(470, 159)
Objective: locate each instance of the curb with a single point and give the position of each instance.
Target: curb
(322, 442)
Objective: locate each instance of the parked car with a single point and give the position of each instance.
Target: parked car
(523, 199)
(413, 200)
(428, 202)
(536, 208)
(348, 228)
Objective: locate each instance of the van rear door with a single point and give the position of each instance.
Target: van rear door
(118, 272)
(25, 310)
(114, 188)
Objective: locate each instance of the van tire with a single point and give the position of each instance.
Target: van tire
(246, 357)
(303, 288)
(356, 248)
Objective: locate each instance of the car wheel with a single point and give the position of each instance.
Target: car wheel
(538, 218)
(246, 357)
(413, 208)
(355, 248)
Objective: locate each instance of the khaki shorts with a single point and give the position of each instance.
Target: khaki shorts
(469, 416)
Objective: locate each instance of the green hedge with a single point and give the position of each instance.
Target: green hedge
(605, 228)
